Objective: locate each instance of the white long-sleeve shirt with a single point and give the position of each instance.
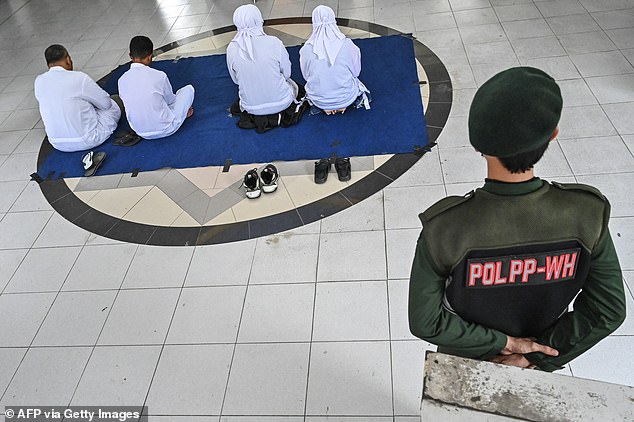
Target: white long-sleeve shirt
(331, 87)
(68, 102)
(147, 94)
(262, 85)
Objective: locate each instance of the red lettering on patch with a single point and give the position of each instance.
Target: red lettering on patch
(530, 269)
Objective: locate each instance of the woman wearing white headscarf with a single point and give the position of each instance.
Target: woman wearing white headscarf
(331, 64)
(259, 65)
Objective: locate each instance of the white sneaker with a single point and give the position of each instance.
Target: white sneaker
(252, 184)
(269, 176)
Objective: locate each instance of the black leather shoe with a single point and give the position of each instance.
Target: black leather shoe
(322, 167)
(342, 165)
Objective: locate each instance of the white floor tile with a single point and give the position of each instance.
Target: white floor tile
(227, 264)
(18, 167)
(622, 231)
(614, 19)
(60, 232)
(529, 28)
(587, 42)
(584, 122)
(531, 48)
(277, 313)
(618, 188)
(560, 8)
(455, 133)
(47, 375)
(573, 24)
(100, 267)
(401, 245)
(9, 262)
(21, 316)
(337, 249)
(621, 116)
(460, 165)
(30, 198)
(43, 270)
(408, 359)
(513, 12)
(479, 34)
(139, 317)
(190, 380)
(10, 140)
(267, 379)
(480, 16)
(614, 155)
(207, 315)
(602, 64)
(75, 319)
(158, 266)
(119, 376)
(575, 92)
(19, 230)
(350, 379)
(362, 305)
(273, 253)
(560, 68)
(399, 320)
(366, 215)
(616, 368)
(553, 163)
(9, 361)
(402, 205)
(612, 89)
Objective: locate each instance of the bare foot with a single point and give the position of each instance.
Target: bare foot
(340, 110)
(190, 112)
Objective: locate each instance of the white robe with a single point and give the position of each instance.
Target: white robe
(263, 83)
(332, 87)
(78, 115)
(152, 108)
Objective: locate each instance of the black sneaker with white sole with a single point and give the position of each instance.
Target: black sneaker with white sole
(269, 176)
(252, 184)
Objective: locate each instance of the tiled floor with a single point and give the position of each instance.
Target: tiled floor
(304, 324)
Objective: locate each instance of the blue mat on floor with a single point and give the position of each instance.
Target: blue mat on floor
(395, 124)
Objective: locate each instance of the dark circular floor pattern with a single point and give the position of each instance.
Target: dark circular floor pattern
(65, 202)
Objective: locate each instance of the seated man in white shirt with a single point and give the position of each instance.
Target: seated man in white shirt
(259, 65)
(152, 108)
(331, 64)
(78, 115)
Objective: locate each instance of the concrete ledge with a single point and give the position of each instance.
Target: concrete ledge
(456, 389)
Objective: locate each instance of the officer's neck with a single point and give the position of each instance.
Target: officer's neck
(497, 171)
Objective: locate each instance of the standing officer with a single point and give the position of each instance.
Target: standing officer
(495, 270)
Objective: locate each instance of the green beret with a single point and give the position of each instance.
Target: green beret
(515, 111)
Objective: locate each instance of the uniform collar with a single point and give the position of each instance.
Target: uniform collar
(505, 188)
(137, 65)
(56, 68)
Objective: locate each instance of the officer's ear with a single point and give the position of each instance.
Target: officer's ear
(554, 135)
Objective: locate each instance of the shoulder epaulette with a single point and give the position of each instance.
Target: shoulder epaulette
(580, 187)
(443, 205)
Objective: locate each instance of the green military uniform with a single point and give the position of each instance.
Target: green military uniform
(509, 258)
(504, 219)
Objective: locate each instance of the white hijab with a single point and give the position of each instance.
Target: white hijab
(248, 21)
(326, 38)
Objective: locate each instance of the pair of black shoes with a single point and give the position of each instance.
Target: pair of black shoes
(322, 168)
